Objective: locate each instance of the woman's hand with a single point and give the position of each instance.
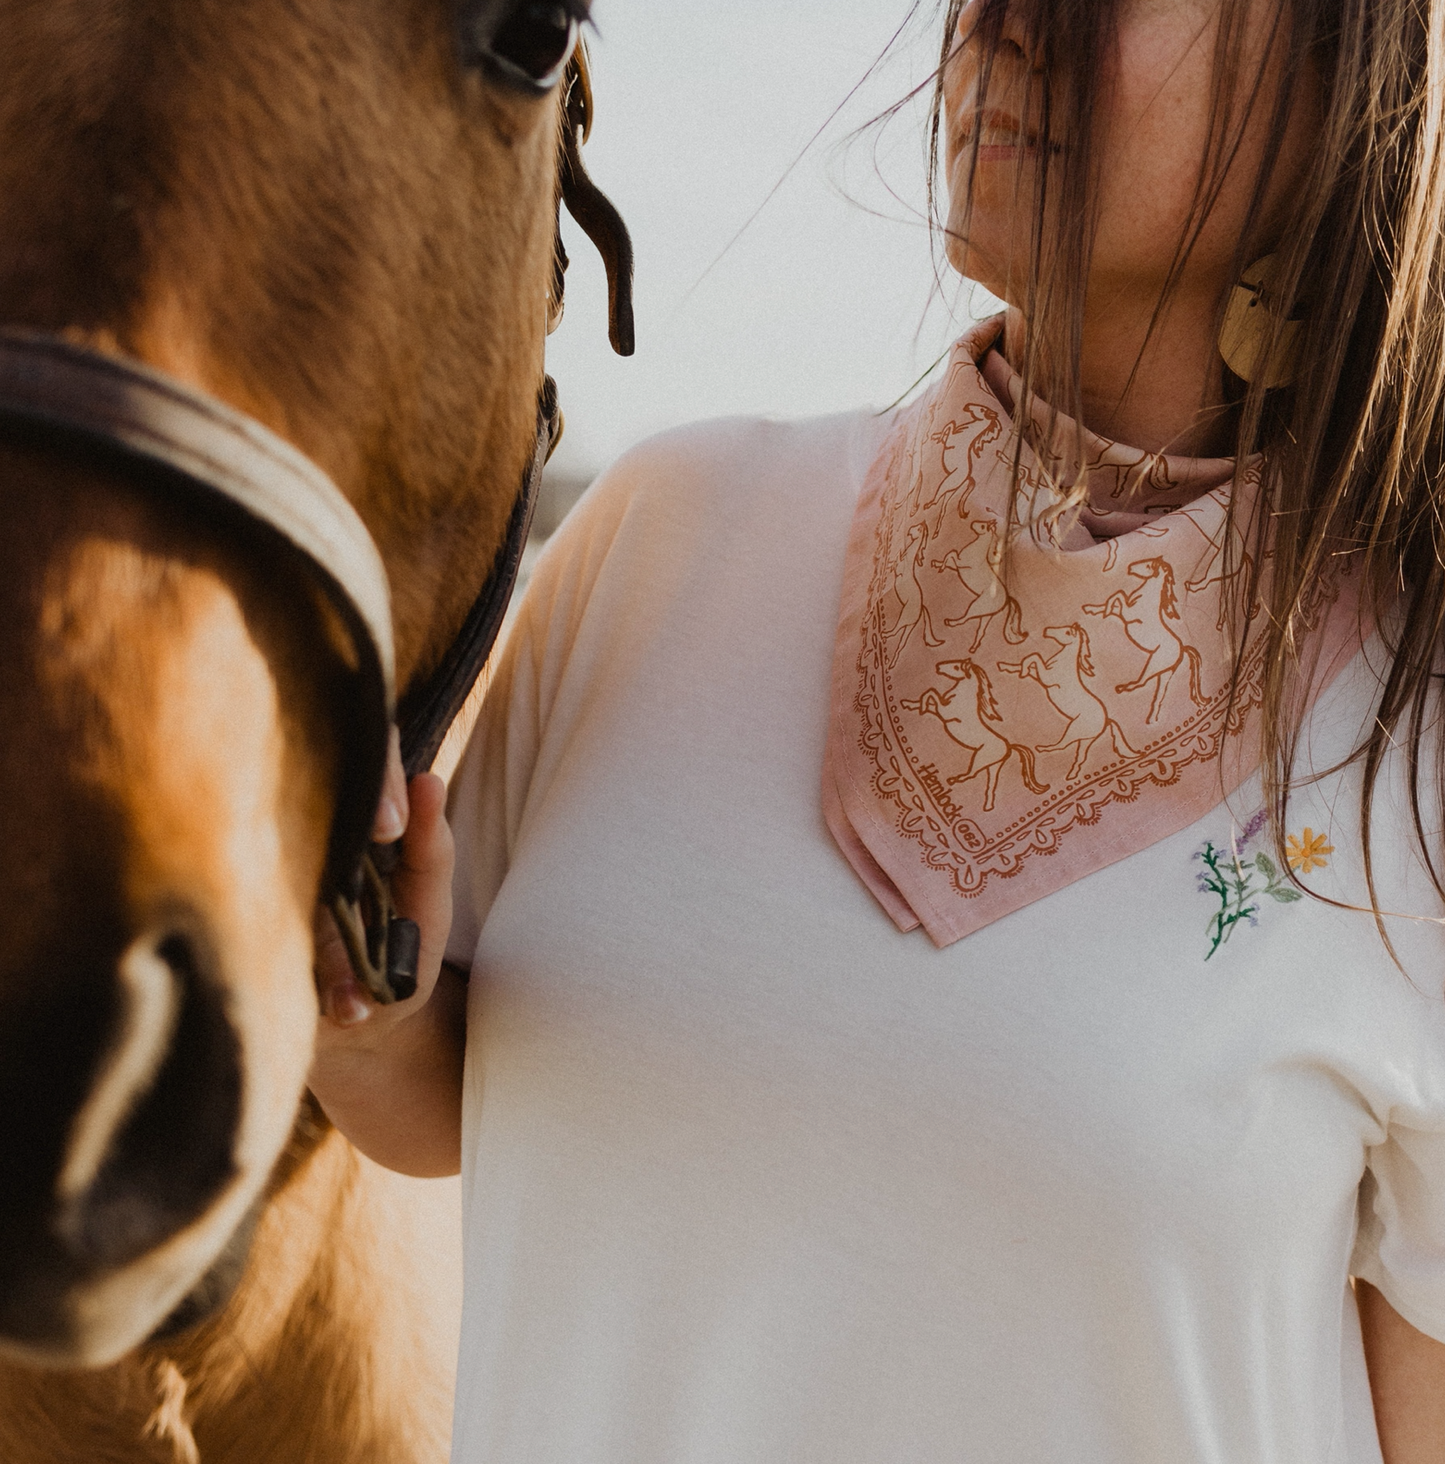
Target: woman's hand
(389, 1077)
(422, 889)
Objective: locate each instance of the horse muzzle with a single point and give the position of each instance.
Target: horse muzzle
(120, 1183)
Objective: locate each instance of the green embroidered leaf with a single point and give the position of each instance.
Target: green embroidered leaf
(1238, 885)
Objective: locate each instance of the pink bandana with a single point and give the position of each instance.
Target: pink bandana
(994, 740)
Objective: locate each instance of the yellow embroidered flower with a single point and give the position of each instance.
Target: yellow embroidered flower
(1308, 851)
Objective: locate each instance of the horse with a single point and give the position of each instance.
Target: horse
(338, 218)
(969, 726)
(1225, 559)
(962, 446)
(1143, 616)
(978, 565)
(1061, 677)
(910, 595)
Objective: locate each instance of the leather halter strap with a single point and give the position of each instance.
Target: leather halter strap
(428, 710)
(384, 946)
(190, 443)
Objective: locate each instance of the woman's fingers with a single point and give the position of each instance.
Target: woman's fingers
(344, 1001)
(421, 887)
(426, 852)
(392, 810)
(422, 884)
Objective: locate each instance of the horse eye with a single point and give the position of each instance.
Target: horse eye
(530, 46)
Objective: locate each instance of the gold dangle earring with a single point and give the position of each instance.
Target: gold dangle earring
(1251, 324)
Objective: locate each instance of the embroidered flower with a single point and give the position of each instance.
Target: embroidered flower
(1307, 852)
(1239, 880)
(1238, 884)
(1253, 828)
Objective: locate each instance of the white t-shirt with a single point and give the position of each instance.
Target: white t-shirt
(751, 1178)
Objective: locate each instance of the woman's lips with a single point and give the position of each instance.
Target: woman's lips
(1001, 138)
(993, 150)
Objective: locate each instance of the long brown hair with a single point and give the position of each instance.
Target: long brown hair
(1354, 447)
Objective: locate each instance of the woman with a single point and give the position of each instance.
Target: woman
(754, 1174)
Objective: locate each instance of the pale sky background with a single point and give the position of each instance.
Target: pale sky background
(821, 305)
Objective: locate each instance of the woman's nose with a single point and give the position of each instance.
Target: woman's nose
(1001, 24)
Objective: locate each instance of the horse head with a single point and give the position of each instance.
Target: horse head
(337, 216)
(952, 432)
(1158, 568)
(1073, 635)
(966, 670)
(987, 529)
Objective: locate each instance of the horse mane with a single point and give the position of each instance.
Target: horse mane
(1168, 599)
(1086, 659)
(987, 706)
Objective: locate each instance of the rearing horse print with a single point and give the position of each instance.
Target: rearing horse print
(962, 449)
(1143, 612)
(978, 564)
(910, 595)
(1061, 677)
(968, 725)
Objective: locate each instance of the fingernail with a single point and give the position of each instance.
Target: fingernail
(346, 1008)
(390, 821)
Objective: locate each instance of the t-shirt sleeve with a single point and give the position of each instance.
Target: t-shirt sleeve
(489, 785)
(608, 580)
(1400, 1243)
(510, 749)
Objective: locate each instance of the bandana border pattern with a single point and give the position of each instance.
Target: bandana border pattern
(949, 839)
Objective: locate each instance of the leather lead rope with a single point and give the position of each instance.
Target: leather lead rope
(426, 712)
(593, 211)
(384, 946)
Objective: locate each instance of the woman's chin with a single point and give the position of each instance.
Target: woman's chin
(975, 263)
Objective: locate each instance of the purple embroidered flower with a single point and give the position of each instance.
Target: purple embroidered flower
(1252, 828)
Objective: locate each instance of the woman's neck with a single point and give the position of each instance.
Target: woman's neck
(1159, 390)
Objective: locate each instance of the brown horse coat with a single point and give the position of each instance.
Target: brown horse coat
(312, 210)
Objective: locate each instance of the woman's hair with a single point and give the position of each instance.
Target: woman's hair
(1354, 447)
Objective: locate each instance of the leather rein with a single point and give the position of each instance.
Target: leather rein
(188, 444)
